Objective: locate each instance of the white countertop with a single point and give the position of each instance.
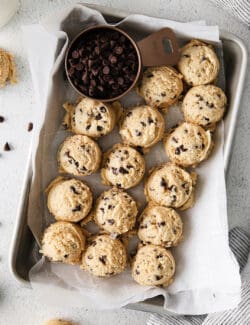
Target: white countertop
(18, 305)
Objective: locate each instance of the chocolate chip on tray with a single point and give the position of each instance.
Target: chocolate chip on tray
(30, 126)
(1, 119)
(6, 147)
(102, 63)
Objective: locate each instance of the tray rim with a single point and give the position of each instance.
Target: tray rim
(142, 305)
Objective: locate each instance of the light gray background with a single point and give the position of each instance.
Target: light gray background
(18, 305)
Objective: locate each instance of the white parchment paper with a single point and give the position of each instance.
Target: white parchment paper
(207, 276)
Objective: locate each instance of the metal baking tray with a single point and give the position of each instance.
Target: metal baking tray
(24, 251)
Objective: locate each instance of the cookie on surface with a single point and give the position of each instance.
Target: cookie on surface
(63, 242)
(122, 167)
(115, 211)
(170, 186)
(153, 266)
(7, 68)
(198, 63)
(160, 226)
(204, 105)
(79, 155)
(160, 86)
(142, 126)
(91, 117)
(188, 144)
(69, 199)
(104, 256)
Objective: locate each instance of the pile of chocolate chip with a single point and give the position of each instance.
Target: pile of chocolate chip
(102, 63)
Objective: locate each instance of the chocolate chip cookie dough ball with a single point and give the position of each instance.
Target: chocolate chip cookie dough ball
(79, 155)
(123, 167)
(198, 63)
(160, 86)
(104, 256)
(69, 199)
(170, 186)
(142, 126)
(91, 117)
(58, 322)
(63, 242)
(204, 105)
(188, 145)
(160, 226)
(115, 211)
(153, 266)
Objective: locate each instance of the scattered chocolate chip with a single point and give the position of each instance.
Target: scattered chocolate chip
(89, 257)
(6, 147)
(30, 126)
(88, 127)
(143, 123)
(163, 94)
(203, 146)
(159, 256)
(77, 208)
(138, 133)
(111, 221)
(186, 55)
(1, 119)
(103, 259)
(174, 139)
(137, 272)
(66, 255)
(93, 243)
(206, 119)
(150, 120)
(161, 224)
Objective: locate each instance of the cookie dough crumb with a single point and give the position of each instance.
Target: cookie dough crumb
(58, 322)
(7, 68)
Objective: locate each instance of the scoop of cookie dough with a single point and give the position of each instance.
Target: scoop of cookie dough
(7, 68)
(170, 186)
(198, 63)
(123, 167)
(63, 242)
(188, 144)
(79, 155)
(69, 199)
(104, 256)
(204, 105)
(58, 322)
(160, 226)
(91, 117)
(153, 266)
(160, 86)
(115, 211)
(142, 126)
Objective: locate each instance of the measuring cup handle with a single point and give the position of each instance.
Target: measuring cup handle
(159, 48)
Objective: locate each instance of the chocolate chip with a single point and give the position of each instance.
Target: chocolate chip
(206, 119)
(103, 259)
(129, 114)
(6, 147)
(203, 146)
(88, 127)
(159, 256)
(99, 128)
(158, 277)
(103, 109)
(143, 226)
(30, 126)
(177, 151)
(77, 208)
(143, 123)
(111, 221)
(163, 183)
(73, 189)
(114, 170)
(186, 55)
(174, 139)
(150, 120)
(1, 119)
(98, 117)
(137, 272)
(93, 243)
(66, 255)
(129, 166)
(138, 133)
(89, 257)
(161, 224)
(163, 94)
(123, 170)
